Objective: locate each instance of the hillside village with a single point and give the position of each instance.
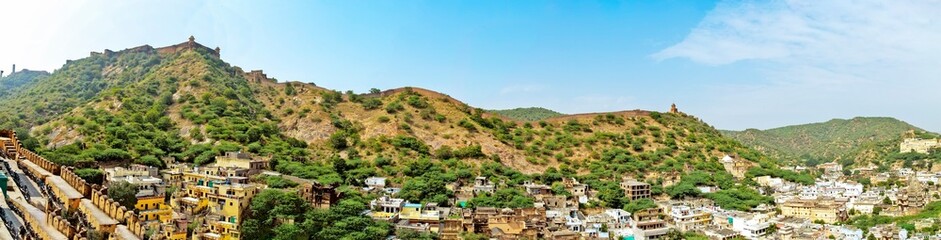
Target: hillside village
(209, 202)
(185, 146)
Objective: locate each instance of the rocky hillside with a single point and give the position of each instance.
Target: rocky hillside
(148, 105)
(827, 141)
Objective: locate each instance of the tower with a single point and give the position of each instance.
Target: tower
(1, 73)
(673, 109)
(14, 69)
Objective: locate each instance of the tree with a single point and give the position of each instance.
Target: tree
(503, 198)
(683, 190)
(611, 195)
(124, 193)
(289, 89)
(371, 103)
(425, 189)
(374, 91)
(149, 160)
(270, 205)
(91, 175)
(289, 232)
(473, 236)
(414, 235)
(279, 182)
(639, 204)
(338, 140)
(559, 189)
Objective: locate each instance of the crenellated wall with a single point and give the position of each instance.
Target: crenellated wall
(108, 205)
(191, 44)
(82, 186)
(39, 160)
(135, 225)
(61, 224)
(15, 142)
(37, 221)
(96, 194)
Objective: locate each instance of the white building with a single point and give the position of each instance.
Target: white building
(376, 182)
(926, 177)
(750, 226)
(847, 232)
(622, 219)
(809, 192)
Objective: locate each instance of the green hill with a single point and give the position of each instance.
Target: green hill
(14, 82)
(527, 114)
(826, 141)
(184, 103)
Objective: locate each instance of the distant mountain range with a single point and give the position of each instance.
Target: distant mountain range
(826, 141)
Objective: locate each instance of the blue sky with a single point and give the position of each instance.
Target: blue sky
(735, 64)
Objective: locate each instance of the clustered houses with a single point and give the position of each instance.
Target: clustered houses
(801, 212)
(561, 216)
(919, 145)
(832, 199)
(151, 191)
(215, 197)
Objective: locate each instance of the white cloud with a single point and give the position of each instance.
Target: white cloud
(822, 59)
(815, 32)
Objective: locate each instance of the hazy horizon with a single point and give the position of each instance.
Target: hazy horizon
(734, 64)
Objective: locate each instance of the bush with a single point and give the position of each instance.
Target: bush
(503, 198)
(467, 125)
(91, 175)
(417, 101)
(394, 107)
(338, 140)
(371, 103)
(149, 160)
(279, 182)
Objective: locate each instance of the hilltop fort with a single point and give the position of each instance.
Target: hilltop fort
(189, 44)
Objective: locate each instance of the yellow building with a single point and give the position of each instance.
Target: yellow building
(240, 160)
(826, 210)
(689, 219)
(225, 199)
(153, 208)
(415, 213)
